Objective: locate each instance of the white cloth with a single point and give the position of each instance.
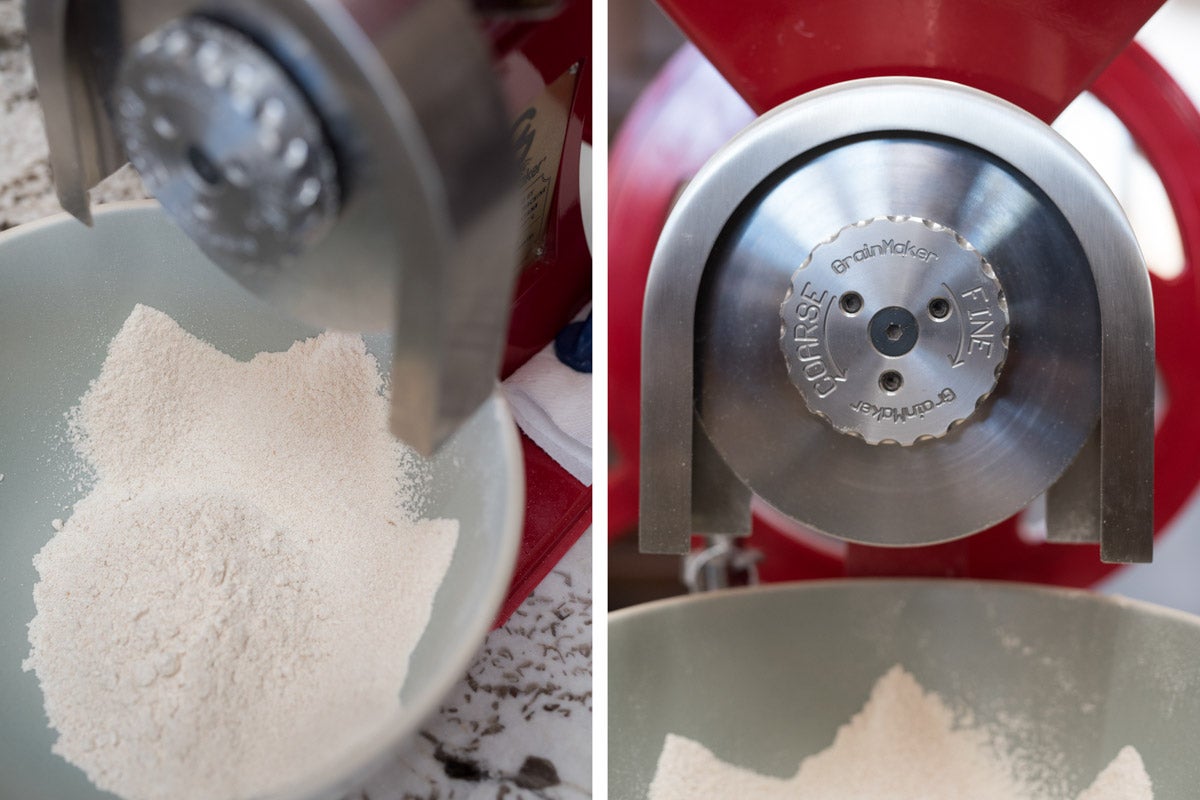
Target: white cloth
(552, 404)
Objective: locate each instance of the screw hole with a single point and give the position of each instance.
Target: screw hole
(851, 302)
(939, 308)
(891, 381)
(203, 166)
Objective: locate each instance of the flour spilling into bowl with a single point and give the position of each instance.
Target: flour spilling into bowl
(905, 744)
(237, 598)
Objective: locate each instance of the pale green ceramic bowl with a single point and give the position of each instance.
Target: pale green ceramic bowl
(764, 677)
(64, 292)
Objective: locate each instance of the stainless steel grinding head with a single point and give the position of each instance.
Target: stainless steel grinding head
(228, 144)
(898, 310)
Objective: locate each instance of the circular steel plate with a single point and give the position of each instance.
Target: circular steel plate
(1014, 445)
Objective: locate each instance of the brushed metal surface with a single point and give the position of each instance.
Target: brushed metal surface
(1071, 513)
(721, 502)
(953, 117)
(1008, 452)
(895, 328)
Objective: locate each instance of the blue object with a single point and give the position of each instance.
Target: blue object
(573, 345)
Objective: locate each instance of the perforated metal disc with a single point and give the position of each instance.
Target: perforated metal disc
(1009, 450)
(227, 143)
(894, 330)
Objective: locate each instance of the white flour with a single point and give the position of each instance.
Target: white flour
(238, 596)
(903, 745)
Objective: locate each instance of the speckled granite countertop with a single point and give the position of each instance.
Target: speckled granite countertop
(26, 192)
(519, 723)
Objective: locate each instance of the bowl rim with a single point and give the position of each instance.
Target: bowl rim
(1115, 601)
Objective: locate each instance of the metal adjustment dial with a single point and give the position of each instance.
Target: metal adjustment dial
(894, 330)
(227, 143)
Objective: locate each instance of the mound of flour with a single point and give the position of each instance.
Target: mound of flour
(239, 594)
(905, 744)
